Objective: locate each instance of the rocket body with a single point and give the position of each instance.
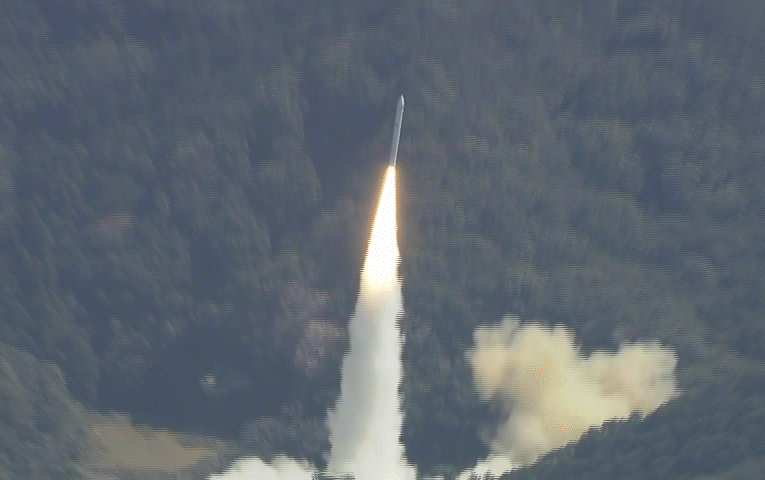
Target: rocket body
(397, 131)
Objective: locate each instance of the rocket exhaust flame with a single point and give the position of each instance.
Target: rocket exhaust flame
(366, 422)
(365, 425)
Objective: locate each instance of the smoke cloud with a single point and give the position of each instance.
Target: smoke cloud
(281, 468)
(552, 394)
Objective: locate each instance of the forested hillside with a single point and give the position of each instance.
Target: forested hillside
(185, 197)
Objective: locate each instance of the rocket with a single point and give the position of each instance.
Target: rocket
(397, 131)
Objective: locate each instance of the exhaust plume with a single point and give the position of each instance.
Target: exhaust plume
(365, 425)
(366, 422)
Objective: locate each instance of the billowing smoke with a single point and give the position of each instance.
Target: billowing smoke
(552, 394)
(281, 468)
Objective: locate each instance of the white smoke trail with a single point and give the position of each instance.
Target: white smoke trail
(365, 425)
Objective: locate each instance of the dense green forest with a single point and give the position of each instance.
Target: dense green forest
(186, 188)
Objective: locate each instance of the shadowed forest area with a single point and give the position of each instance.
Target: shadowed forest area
(186, 192)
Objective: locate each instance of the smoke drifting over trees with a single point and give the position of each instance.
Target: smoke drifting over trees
(552, 394)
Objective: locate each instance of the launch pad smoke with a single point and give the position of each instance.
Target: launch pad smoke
(552, 394)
